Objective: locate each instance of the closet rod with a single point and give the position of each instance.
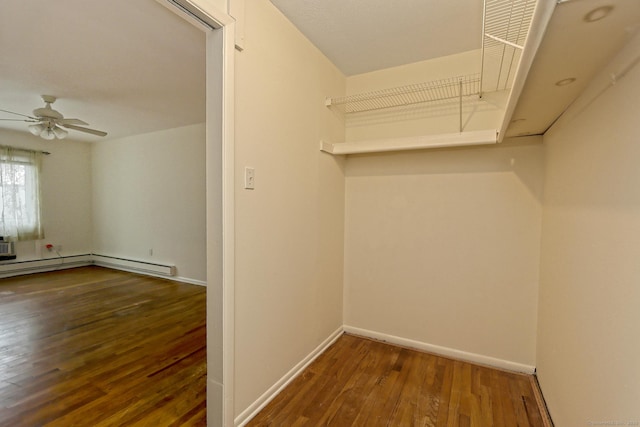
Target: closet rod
(507, 42)
(46, 153)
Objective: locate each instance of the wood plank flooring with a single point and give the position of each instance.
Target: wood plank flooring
(359, 382)
(98, 347)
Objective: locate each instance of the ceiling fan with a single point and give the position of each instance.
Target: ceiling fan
(49, 123)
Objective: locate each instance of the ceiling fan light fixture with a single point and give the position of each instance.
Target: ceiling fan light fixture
(60, 133)
(36, 129)
(48, 123)
(48, 134)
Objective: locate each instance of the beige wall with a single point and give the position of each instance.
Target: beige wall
(442, 247)
(123, 197)
(289, 230)
(423, 119)
(149, 193)
(589, 317)
(66, 195)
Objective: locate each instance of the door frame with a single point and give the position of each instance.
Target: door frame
(220, 29)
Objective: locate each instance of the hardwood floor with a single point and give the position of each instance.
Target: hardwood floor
(98, 347)
(359, 382)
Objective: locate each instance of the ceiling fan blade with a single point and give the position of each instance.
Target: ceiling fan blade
(86, 130)
(72, 122)
(21, 120)
(18, 114)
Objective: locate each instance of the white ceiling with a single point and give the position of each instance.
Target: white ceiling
(132, 66)
(365, 35)
(359, 36)
(124, 66)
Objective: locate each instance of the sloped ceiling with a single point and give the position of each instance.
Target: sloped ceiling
(359, 36)
(125, 67)
(365, 35)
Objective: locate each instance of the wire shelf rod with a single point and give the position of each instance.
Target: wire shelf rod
(484, 31)
(504, 47)
(520, 25)
(437, 90)
(507, 42)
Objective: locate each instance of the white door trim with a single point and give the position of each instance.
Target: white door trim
(220, 190)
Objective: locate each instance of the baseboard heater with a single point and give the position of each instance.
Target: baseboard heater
(132, 265)
(42, 265)
(50, 264)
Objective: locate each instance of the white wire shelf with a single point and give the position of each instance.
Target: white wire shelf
(436, 90)
(504, 32)
(506, 25)
(512, 31)
(508, 20)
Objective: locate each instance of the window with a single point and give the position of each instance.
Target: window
(20, 194)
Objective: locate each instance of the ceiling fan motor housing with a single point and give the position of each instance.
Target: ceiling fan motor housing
(47, 112)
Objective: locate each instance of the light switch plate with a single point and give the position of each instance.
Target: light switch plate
(249, 178)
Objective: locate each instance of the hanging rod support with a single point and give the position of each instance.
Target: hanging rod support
(484, 31)
(460, 105)
(507, 42)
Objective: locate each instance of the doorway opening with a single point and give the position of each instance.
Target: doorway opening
(220, 33)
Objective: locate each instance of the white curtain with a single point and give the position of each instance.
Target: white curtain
(20, 194)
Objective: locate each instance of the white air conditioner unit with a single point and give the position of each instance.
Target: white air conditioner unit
(7, 250)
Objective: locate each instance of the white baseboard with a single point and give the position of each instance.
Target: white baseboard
(17, 268)
(189, 281)
(443, 351)
(143, 267)
(215, 397)
(245, 416)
